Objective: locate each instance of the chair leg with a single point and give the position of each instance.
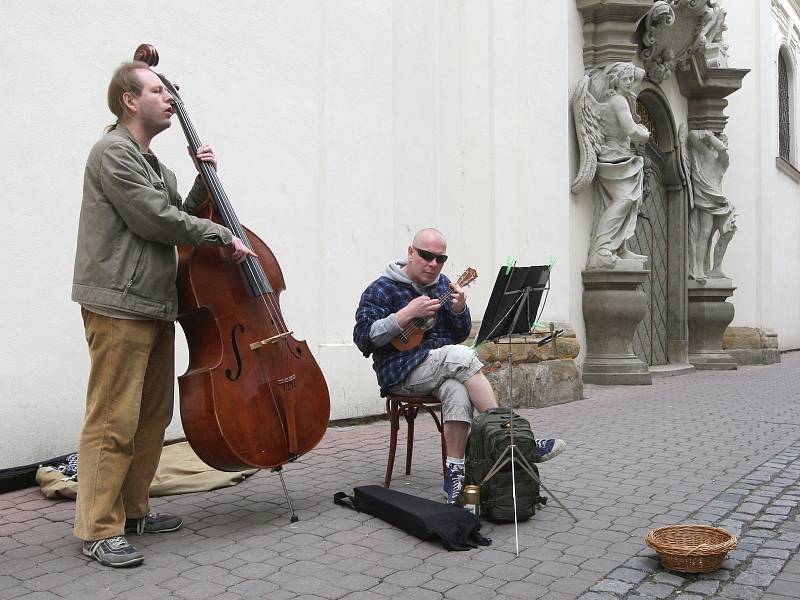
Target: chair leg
(444, 451)
(393, 409)
(411, 415)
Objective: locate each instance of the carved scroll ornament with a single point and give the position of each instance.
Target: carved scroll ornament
(675, 30)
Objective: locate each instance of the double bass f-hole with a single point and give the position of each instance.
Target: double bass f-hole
(240, 328)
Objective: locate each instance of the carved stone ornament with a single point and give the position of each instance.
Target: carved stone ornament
(603, 106)
(712, 217)
(675, 30)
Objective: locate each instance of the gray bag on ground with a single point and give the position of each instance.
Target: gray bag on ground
(489, 437)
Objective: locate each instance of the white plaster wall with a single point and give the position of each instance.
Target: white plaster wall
(780, 193)
(342, 127)
(743, 178)
(764, 257)
(580, 205)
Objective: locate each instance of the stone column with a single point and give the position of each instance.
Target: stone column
(709, 316)
(613, 306)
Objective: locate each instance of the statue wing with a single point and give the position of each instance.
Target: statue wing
(686, 167)
(590, 134)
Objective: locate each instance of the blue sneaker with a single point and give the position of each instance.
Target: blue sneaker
(453, 482)
(547, 449)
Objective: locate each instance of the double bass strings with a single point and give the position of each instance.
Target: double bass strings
(257, 274)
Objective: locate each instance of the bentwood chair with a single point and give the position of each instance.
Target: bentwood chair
(408, 407)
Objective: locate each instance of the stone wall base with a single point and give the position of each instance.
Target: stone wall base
(536, 385)
(751, 345)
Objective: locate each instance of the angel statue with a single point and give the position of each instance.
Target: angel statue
(706, 159)
(603, 105)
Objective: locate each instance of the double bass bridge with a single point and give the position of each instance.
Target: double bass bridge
(287, 383)
(270, 340)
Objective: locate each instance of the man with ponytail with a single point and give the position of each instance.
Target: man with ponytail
(131, 220)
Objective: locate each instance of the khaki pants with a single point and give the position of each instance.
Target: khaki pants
(128, 406)
(442, 374)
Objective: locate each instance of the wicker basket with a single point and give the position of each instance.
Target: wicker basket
(691, 548)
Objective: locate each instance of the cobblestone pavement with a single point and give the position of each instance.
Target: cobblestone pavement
(708, 447)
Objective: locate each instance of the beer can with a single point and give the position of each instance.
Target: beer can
(472, 499)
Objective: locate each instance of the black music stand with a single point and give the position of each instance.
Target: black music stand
(514, 302)
(512, 309)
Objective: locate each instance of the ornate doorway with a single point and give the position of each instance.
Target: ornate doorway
(661, 234)
(652, 239)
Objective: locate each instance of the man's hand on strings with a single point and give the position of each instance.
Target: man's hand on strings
(240, 250)
(458, 297)
(204, 154)
(420, 307)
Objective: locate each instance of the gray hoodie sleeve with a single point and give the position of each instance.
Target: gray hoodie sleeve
(383, 331)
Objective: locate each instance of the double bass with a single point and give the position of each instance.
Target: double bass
(252, 395)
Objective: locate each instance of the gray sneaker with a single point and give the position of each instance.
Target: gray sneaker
(153, 523)
(113, 552)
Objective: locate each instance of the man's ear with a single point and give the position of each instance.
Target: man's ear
(128, 103)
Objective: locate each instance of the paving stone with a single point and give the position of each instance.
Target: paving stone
(787, 588)
(523, 589)
(415, 594)
(766, 565)
(507, 572)
(754, 578)
(773, 553)
(437, 585)
(644, 563)
(571, 585)
(741, 592)
(655, 590)
(469, 591)
(704, 588)
(629, 575)
(408, 578)
(612, 585)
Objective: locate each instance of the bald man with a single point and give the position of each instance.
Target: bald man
(410, 289)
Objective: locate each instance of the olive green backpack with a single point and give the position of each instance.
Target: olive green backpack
(489, 437)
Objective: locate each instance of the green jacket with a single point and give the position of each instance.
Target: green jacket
(131, 219)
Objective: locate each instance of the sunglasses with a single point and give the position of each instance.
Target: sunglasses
(429, 256)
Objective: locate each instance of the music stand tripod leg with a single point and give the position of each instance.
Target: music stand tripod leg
(526, 466)
(498, 464)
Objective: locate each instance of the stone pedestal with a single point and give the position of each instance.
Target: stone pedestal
(542, 375)
(536, 385)
(613, 306)
(709, 315)
(751, 345)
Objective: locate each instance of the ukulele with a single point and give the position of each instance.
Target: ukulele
(412, 334)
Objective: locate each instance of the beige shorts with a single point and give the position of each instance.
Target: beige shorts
(442, 374)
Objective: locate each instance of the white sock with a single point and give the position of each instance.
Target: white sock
(454, 461)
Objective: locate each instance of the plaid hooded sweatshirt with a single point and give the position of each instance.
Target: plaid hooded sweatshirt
(384, 297)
